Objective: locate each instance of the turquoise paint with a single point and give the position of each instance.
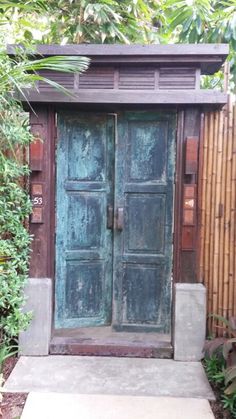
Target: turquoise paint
(83, 243)
(145, 158)
(85, 249)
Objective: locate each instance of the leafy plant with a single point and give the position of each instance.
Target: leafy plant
(204, 21)
(214, 367)
(17, 74)
(229, 402)
(220, 366)
(6, 352)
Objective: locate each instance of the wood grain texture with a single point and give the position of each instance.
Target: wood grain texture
(42, 259)
(207, 97)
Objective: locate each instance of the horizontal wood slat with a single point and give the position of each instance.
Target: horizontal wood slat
(64, 79)
(124, 78)
(97, 78)
(218, 214)
(136, 78)
(177, 78)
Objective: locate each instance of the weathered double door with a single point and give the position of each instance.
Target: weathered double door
(114, 207)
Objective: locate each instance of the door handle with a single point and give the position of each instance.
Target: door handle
(120, 218)
(109, 216)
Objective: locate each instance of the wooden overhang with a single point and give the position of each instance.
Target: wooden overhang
(134, 74)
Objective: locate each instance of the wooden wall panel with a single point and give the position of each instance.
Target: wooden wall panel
(217, 267)
(42, 194)
(188, 258)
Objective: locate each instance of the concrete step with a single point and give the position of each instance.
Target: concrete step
(109, 376)
(61, 406)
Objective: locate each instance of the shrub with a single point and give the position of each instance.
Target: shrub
(15, 206)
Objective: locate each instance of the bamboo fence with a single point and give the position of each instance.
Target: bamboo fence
(218, 213)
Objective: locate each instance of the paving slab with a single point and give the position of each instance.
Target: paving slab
(61, 406)
(115, 376)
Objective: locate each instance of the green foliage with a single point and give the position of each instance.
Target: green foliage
(126, 21)
(15, 206)
(110, 21)
(221, 366)
(229, 402)
(214, 367)
(6, 352)
(208, 21)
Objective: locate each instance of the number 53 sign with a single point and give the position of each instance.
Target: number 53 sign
(37, 202)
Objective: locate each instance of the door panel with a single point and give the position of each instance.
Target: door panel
(85, 157)
(143, 245)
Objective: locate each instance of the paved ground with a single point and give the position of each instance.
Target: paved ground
(114, 376)
(71, 406)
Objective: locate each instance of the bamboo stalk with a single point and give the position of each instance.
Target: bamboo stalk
(216, 274)
(227, 220)
(203, 201)
(214, 278)
(200, 204)
(231, 223)
(218, 212)
(226, 76)
(233, 210)
(208, 211)
(222, 219)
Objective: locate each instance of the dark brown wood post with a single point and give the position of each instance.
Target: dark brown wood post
(42, 192)
(186, 214)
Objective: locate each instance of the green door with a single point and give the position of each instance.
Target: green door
(114, 269)
(144, 213)
(85, 154)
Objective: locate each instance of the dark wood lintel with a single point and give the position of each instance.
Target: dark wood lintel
(196, 97)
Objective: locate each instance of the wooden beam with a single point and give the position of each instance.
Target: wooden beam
(208, 57)
(127, 50)
(197, 97)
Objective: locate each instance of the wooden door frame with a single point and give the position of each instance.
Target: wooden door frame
(42, 264)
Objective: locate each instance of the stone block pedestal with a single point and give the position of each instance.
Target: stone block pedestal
(189, 322)
(35, 340)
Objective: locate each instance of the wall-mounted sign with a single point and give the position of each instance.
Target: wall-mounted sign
(37, 203)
